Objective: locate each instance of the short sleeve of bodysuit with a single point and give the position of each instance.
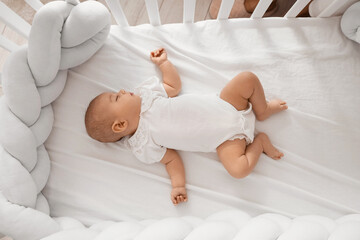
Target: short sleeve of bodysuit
(141, 143)
(155, 85)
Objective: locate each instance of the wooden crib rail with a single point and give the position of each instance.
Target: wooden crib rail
(16, 23)
(153, 12)
(189, 11)
(261, 8)
(296, 8)
(35, 4)
(117, 12)
(225, 9)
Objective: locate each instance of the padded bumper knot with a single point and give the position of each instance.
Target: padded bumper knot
(73, 2)
(350, 22)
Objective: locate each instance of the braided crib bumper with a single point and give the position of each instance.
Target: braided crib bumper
(350, 22)
(64, 34)
(225, 225)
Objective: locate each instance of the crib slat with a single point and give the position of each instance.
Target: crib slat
(225, 9)
(35, 4)
(296, 8)
(261, 8)
(7, 44)
(14, 21)
(153, 12)
(189, 11)
(117, 12)
(332, 8)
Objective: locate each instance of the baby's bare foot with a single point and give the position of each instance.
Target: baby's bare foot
(274, 106)
(277, 105)
(269, 149)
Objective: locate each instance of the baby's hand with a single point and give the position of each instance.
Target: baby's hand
(158, 56)
(178, 195)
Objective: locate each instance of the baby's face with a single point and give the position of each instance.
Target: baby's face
(120, 105)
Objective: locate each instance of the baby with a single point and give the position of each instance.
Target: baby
(154, 122)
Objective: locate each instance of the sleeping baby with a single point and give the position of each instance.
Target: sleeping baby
(154, 122)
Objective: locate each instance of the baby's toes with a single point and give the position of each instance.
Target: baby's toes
(283, 105)
(277, 155)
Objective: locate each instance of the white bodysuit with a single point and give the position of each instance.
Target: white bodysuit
(189, 122)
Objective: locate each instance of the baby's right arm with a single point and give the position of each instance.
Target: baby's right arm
(175, 169)
(171, 78)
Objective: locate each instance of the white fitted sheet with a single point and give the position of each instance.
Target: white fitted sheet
(307, 62)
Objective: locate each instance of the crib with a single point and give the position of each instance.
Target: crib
(57, 183)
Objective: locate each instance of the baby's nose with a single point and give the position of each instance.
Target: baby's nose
(122, 91)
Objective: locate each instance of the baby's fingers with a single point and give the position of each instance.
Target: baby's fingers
(180, 199)
(153, 54)
(161, 51)
(183, 198)
(157, 52)
(174, 201)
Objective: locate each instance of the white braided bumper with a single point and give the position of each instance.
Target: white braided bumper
(226, 225)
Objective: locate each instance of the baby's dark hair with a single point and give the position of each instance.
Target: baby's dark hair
(97, 126)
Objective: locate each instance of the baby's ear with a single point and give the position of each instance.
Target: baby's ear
(119, 126)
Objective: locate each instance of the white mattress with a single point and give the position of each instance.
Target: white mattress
(307, 62)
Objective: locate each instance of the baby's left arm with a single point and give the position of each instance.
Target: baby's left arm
(176, 171)
(171, 77)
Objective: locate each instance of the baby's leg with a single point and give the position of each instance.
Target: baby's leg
(240, 160)
(246, 87)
